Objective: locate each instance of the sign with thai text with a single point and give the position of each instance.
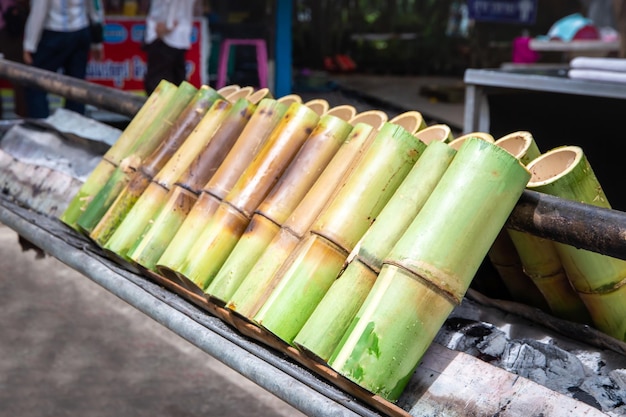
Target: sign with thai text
(504, 11)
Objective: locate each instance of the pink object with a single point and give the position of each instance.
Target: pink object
(522, 54)
(261, 59)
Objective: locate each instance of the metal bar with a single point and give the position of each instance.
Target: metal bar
(539, 82)
(581, 225)
(105, 98)
(288, 381)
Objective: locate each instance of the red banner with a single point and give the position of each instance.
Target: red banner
(124, 63)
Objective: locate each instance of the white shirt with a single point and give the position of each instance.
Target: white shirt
(59, 16)
(178, 16)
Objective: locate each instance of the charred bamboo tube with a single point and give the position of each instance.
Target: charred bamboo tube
(538, 257)
(148, 196)
(96, 180)
(143, 146)
(171, 139)
(264, 120)
(331, 318)
(422, 279)
(215, 242)
(246, 291)
(316, 263)
(151, 201)
(157, 234)
(439, 132)
(598, 279)
(458, 142)
(300, 175)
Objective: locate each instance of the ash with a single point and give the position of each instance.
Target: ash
(589, 374)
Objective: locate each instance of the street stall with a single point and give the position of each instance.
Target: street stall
(475, 361)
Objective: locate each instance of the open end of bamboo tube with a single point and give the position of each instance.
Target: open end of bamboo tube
(439, 133)
(458, 142)
(290, 99)
(344, 112)
(319, 105)
(516, 143)
(228, 90)
(241, 93)
(258, 95)
(412, 121)
(553, 165)
(374, 118)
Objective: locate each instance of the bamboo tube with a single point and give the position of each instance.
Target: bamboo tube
(151, 201)
(538, 257)
(264, 120)
(422, 279)
(598, 279)
(439, 132)
(246, 291)
(290, 99)
(411, 121)
(215, 242)
(318, 105)
(330, 320)
(96, 180)
(317, 262)
(308, 164)
(228, 90)
(157, 234)
(456, 143)
(344, 112)
(170, 140)
(143, 146)
(158, 186)
(503, 254)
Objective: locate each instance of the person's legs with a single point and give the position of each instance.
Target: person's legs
(76, 62)
(49, 56)
(163, 63)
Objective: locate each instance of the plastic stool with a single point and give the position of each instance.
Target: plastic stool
(261, 59)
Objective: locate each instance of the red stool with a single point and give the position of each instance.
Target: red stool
(261, 59)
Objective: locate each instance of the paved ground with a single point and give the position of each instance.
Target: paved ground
(70, 348)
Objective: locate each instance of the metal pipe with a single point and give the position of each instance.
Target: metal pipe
(581, 225)
(286, 380)
(103, 97)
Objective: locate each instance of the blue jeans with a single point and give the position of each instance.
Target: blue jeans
(66, 51)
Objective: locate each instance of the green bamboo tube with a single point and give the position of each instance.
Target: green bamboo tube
(456, 143)
(330, 320)
(438, 132)
(338, 228)
(308, 164)
(264, 120)
(598, 279)
(247, 291)
(412, 121)
(422, 279)
(126, 205)
(538, 257)
(118, 183)
(215, 242)
(99, 176)
(503, 254)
